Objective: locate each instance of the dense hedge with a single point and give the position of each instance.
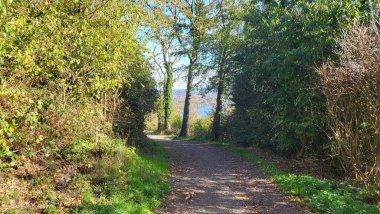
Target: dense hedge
(72, 78)
(277, 101)
(68, 68)
(282, 103)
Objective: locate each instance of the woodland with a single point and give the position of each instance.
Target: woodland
(81, 79)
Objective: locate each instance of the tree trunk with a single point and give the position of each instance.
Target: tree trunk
(302, 150)
(186, 108)
(216, 132)
(168, 90)
(160, 116)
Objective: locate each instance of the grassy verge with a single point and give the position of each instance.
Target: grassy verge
(323, 196)
(176, 137)
(126, 181)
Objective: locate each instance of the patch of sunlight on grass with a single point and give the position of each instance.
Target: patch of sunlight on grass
(136, 185)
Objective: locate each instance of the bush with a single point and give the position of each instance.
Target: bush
(353, 103)
(151, 122)
(201, 128)
(137, 101)
(277, 105)
(176, 123)
(70, 72)
(59, 83)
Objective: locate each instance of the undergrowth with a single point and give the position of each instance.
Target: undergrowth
(323, 196)
(127, 181)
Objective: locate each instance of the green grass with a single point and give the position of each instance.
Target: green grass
(176, 137)
(322, 196)
(154, 131)
(170, 136)
(128, 182)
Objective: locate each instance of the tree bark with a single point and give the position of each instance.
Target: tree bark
(186, 108)
(160, 116)
(216, 129)
(302, 150)
(168, 90)
(216, 132)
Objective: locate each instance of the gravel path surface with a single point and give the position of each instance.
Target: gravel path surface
(207, 179)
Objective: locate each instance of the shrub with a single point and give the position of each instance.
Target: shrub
(353, 102)
(201, 128)
(137, 101)
(176, 123)
(277, 105)
(69, 72)
(59, 83)
(151, 123)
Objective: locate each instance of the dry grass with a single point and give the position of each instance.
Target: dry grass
(39, 184)
(353, 102)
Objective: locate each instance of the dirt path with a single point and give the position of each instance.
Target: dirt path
(207, 179)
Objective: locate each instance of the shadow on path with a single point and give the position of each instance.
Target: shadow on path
(207, 179)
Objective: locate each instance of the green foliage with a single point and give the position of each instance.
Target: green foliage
(220, 50)
(176, 123)
(168, 95)
(162, 32)
(276, 101)
(136, 103)
(128, 182)
(190, 25)
(72, 77)
(160, 111)
(67, 68)
(323, 196)
(201, 129)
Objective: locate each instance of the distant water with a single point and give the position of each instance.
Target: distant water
(204, 111)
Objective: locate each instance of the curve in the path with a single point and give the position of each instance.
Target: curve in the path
(207, 179)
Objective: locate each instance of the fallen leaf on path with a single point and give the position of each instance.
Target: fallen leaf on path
(188, 195)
